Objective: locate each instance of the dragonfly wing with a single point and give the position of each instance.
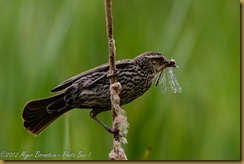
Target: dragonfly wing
(175, 86)
(163, 81)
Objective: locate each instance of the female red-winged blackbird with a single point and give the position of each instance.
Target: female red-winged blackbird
(90, 89)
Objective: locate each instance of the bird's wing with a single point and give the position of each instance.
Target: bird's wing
(103, 68)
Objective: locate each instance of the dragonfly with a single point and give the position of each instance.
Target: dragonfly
(168, 74)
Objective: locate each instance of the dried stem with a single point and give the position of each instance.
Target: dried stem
(119, 119)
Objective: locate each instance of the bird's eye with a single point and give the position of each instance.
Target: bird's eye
(154, 61)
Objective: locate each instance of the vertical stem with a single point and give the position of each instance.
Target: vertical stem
(111, 42)
(119, 120)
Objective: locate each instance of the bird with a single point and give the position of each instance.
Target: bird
(90, 90)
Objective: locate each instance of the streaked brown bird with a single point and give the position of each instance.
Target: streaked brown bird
(90, 89)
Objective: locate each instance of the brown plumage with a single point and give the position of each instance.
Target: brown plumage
(90, 89)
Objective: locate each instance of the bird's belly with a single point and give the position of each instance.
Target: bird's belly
(99, 96)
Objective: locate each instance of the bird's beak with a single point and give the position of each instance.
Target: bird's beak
(167, 63)
(171, 63)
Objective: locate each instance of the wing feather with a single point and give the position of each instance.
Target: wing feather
(102, 68)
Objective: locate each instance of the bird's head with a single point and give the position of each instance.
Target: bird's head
(156, 61)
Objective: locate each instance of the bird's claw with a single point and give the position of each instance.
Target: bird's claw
(112, 130)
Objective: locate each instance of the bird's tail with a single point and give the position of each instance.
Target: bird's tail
(38, 114)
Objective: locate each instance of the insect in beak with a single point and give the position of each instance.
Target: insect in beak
(171, 77)
(158, 78)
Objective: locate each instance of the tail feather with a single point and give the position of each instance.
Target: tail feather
(37, 115)
(56, 106)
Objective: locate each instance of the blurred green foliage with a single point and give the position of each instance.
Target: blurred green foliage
(43, 42)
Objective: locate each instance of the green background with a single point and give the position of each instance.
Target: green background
(43, 42)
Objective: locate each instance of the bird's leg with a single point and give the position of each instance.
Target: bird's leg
(93, 115)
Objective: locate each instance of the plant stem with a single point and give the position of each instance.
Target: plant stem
(119, 120)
